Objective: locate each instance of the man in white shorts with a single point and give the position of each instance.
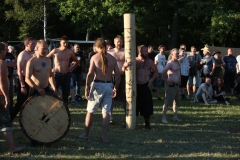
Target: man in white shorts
(99, 89)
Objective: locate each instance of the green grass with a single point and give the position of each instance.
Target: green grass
(206, 132)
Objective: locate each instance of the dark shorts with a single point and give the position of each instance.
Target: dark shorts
(121, 91)
(144, 100)
(184, 80)
(5, 119)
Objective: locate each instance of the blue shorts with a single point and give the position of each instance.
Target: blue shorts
(158, 81)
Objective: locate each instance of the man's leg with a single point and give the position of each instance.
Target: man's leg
(88, 124)
(204, 99)
(105, 123)
(66, 87)
(9, 139)
(164, 115)
(175, 110)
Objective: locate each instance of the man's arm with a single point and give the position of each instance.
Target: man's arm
(117, 77)
(20, 70)
(74, 60)
(164, 72)
(89, 78)
(51, 54)
(4, 83)
(52, 80)
(155, 73)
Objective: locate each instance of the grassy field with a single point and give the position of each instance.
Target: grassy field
(206, 132)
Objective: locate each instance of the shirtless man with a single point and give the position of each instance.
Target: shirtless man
(62, 71)
(144, 66)
(39, 70)
(99, 88)
(118, 53)
(23, 88)
(172, 77)
(5, 119)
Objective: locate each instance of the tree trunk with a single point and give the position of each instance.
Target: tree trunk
(175, 26)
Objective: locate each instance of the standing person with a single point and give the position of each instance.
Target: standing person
(230, 69)
(208, 63)
(193, 80)
(151, 54)
(184, 65)
(99, 88)
(118, 53)
(62, 71)
(11, 63)
(5, 119)
(23, 88)
(160, 61)
(39, 71)
(172, 77)
(77, 72)
(144, 65)
(219, 65)
(109, 46)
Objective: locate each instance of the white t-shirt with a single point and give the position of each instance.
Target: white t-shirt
(161, 59)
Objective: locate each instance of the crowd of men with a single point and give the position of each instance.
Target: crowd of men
(105, 80)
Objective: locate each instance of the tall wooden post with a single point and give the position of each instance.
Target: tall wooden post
(130, 55)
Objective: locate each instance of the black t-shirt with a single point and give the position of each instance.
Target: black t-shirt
(230, 63)
(78, 69)
(9, 57)
(88, 60)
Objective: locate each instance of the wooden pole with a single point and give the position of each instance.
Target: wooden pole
(130, 74)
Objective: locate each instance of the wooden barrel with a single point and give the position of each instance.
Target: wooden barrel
(45, 120)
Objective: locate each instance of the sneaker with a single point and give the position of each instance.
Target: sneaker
(74, 102)
(188, 96)
(227, 103)
(159, 98)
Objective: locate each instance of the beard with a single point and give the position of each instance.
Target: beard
(144, 56)
(208, 84)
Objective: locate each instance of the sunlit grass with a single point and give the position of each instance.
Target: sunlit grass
(206, 132)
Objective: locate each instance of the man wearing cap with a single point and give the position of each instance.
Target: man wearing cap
(208, 63)
(219, 65)
(230, 69)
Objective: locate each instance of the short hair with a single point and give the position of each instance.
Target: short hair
(11, 47)
(108, 42)
(139, 48)
(174, 49)
(207, 77)
(75, 44)
(160, 46)
(182, 45)
(193, 47)
(41, 41)
(150, 46)
(64, 38)
(27, 40)
(118, 37)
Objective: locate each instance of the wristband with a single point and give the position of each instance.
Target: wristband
(23, 86)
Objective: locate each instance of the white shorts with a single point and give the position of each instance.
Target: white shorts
(100, 95)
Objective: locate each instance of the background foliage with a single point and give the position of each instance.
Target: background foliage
(193, 22)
